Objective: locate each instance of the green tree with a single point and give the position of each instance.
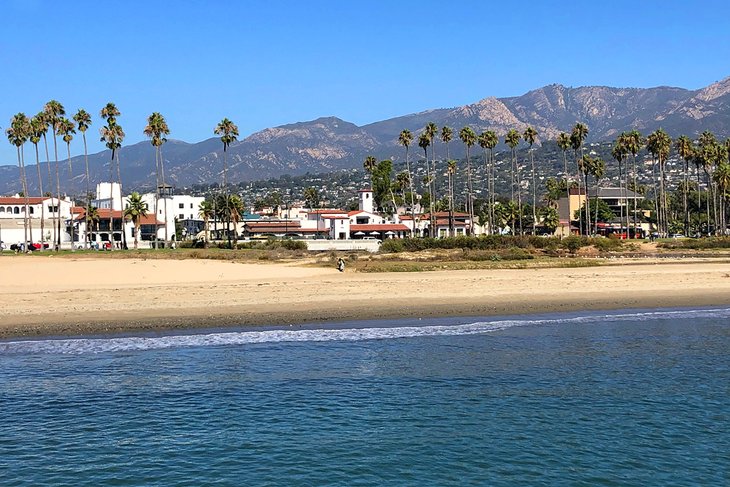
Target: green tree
(382, 186)
(469, 138)
(157, 130)
(83, 122)
(37, 129)
(112, 134)
(228, 132)
(685, 149)
(53, 112)
(369, 165)
(405, 139)
(66, 128)
(563, 142)
(550, 218)
(311, 197)
(659, 144)
(512, 139)
(205, 210)
(577, 137)
(17, 134)
(530, 137)
(135, 210)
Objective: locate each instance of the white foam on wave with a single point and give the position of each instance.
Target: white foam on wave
(132, 343)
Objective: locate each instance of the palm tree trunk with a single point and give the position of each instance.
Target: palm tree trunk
(534, 193)
(87, 237)
(684, 198)
(470, 190)
(164, 187)
(21, 174)
(40, 190)
(111, 204)
(68, 149)
(433, 181)
(413, 204)
(57, 243)
(121, 199)
(580, 210)
(588, 205)
(157, 194)
(50, 184)
(636, 234)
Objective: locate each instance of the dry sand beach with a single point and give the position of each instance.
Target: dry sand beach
(54, 296)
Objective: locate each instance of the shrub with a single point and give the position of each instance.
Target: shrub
(607, 244)
(572, 243)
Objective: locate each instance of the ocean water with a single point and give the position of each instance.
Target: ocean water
(622, 398)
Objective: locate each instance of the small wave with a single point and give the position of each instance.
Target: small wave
(132, 343)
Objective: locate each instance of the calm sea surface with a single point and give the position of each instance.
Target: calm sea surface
(626, 398)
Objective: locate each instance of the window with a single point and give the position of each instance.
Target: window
(191, 205)
(31, 210)
(182, 216)
(2, 209)
(16, 210)
(181, 205)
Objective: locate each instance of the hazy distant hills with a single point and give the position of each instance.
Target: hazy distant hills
(329, 143)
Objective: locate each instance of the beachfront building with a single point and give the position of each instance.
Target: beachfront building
(173, 208)
(619, 200)
(42, 213)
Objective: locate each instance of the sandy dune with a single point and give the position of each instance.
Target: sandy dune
(47, 296)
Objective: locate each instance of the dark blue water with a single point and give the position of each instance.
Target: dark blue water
(629, 398)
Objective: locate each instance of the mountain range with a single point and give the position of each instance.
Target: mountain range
(329, 143)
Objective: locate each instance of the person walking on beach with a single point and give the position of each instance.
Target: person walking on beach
(341, 264)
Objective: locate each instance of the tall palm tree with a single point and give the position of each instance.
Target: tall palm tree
(563, 142)
(659, 144)
(619, 152)
(43, 118)
(633, 142)
(135, 210)
(54, 111)
(112, 135)
(205, 210)
(512, 139)
(17, 134)
(685, 149)
(491, 142)
(405, 138)
(722, 180)
(228, 132)
(432, 132)
(577, 137)
(597, 168)
(83, 122)
(157, 130)
(423, 143)
(483, 141)
(447, 134)
(37, 129)
(530, 136)
(451, 172)
(66, 128)
(469, 138)
(369, 164)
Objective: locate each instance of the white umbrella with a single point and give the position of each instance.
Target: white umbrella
(359, 233)
(374, 233)
(390, 232)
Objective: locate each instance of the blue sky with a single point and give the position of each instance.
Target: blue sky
(267, 63)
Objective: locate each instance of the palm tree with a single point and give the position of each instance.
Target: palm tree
(405, 138)
(423, 143)
(633, 142)
(37, 129)
(512, 139)
(369, 164)
(577, 137)
(722, 180)
(91, 215)
(619, 152)
(432, 132)
(229, 134)
(685, 149)
(311, 197)
(451, 171)
(54, 111)
(112, 135)
(469, 138)
(136, 209)
(491, 142)
(66, 128)
(83, 122)
(659, 144)
(597, 168)
(563, 142)
(17, 135)
(530, 136)
(483, 141)
(156, 130)
(232, 210)
(43, 118)
(205, 210)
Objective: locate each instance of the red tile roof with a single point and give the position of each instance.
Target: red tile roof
(326, 211)
(383, 227)
(11, 200)
(106, 214)
(272, 224)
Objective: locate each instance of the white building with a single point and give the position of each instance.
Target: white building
(42, 213)
(184, 209)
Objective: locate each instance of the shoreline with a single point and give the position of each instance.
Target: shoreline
(77, 297)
